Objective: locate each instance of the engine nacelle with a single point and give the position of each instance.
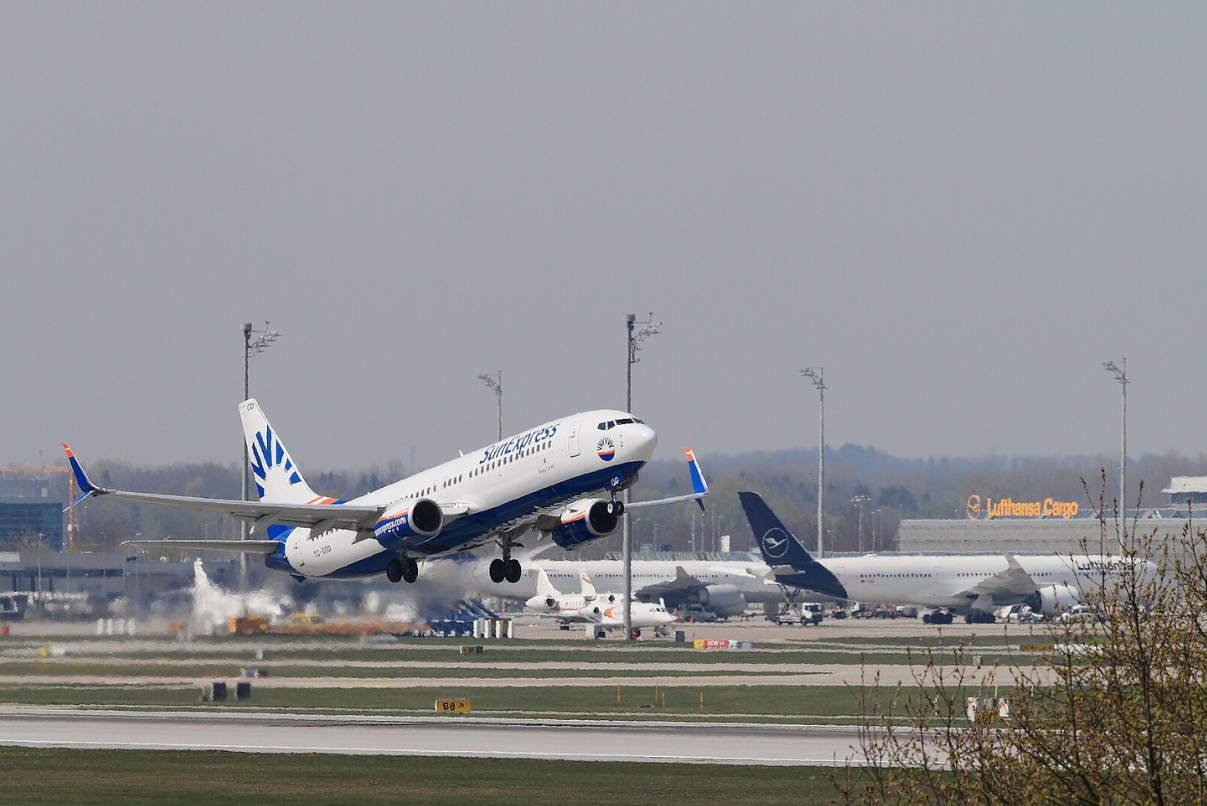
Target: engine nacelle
(586, 520)
(411, 518)
(724, 600)
(1056, 598)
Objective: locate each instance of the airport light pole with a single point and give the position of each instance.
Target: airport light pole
(859, 501)
(634, 339)
(1121, 376)
(264, 339)
(816, 376)
(496, 384)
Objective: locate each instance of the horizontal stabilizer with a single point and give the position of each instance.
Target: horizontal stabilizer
(239, 546)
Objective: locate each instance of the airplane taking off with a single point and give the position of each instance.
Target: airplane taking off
(560, 479)
(970, 584)
(605, 610)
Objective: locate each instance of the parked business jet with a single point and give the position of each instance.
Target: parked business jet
(605, 610)
(970, 584)
(559, 479)
(724, 586)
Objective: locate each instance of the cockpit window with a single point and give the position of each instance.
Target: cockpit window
(640, 422)
(611, 424)
(603, 426)
(625, 422)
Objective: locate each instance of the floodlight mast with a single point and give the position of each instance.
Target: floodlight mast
(264, 340)
(496, 384)
(648, 328)
(1121, 376)
(816, 376)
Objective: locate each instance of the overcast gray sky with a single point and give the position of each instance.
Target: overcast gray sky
(959, 210)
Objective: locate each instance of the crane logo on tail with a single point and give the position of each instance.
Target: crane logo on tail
(775, 543)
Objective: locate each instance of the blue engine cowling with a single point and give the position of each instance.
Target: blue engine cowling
(408, 519)
(585, 521)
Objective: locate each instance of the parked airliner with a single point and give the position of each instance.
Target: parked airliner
(970, 584)
(559, 479)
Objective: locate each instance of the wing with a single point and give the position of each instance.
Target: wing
(672, 589)
(318, 517)
(699, 488)
(1011, 584)
(1014, 581)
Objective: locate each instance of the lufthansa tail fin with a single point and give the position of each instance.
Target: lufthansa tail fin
(277, 477)
(777, 544)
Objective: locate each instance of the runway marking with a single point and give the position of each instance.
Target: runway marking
(409, 751)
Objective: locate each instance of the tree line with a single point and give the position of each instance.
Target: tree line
(868, 492)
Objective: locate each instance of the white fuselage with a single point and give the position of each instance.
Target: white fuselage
(485, 493)
(603, 609)
(950, 581)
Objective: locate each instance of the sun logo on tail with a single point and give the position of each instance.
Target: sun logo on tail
(606, 449)
(267, 452)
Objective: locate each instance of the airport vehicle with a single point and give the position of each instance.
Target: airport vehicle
(806, 614)
(605, 610)
(968, 584)
(559, 479)
(695, 612)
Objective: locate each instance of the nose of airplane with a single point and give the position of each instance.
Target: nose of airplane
(641, 440)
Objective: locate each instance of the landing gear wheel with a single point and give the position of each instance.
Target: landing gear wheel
(498, 570)
(513, 571)
(616, 508)
(410, 569)
(394, 570)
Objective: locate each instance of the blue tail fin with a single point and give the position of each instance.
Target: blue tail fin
(777, 544)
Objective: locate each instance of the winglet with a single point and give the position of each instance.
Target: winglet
(699, 485)
(87, 488)
(699, 488)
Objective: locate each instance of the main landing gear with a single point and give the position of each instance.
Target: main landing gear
(401, 568)
(505, 568)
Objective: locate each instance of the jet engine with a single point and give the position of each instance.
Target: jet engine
(412, 517)
(1055, 598)
(724, 600)
(586, 520)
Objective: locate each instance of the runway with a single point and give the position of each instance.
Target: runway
(745, 744)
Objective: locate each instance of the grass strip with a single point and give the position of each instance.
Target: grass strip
(122, 777)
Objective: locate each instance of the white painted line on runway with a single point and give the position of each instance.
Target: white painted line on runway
(407, 751)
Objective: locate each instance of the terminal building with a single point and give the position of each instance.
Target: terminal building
(1014, 535)
(31, 515)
